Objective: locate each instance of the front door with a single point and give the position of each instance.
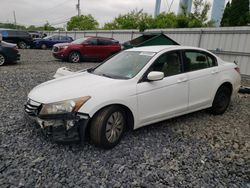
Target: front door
(159, 100)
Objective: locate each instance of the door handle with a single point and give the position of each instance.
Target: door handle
(182, 80)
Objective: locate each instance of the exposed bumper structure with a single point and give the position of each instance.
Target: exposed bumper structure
(63, 128)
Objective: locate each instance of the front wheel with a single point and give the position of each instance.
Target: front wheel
(2, 59)
(221, 100)
(74, 57)
(107, 127)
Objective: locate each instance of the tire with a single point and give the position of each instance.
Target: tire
(22, 45)
(44, 46)
(221, 100)
(2, 59)
(74, 57)
(107, 127)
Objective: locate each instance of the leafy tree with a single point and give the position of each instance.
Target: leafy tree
(165, 20)
(12, 26)
(239, 12)
(48, 27)
(226, 15)
(83, 22)
(201, 8)
(132, 20)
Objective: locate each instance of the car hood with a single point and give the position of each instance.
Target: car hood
(71, 87)
(7, 44)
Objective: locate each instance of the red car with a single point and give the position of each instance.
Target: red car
(89, 48)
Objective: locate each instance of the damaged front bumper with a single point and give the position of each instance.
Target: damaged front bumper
(69, 127)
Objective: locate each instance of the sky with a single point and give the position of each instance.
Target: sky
(57, 12)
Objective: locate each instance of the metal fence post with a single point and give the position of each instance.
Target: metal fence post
(132, 35)
(200, 38)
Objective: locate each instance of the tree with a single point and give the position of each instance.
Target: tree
(201, 8)
(132, 20)
(226, 15)
(239, 12)
(83, 22)
(48, 27)
(165, 20)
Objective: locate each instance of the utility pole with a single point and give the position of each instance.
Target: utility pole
(78, 8)
(14, 19)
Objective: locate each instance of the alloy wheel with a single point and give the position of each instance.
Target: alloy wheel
(2, 59)
(114, 127)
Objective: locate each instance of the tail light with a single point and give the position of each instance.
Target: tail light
(15, 49)
(237, 69)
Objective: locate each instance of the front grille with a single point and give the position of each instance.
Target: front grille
(55, 49)
(32, 108)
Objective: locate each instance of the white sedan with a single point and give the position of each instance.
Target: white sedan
(137, 87)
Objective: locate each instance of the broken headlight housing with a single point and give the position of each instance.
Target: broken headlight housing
(63, 107)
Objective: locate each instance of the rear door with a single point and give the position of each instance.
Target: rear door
(107, 49)
(158, 100)
(92, 50)
(202, 71)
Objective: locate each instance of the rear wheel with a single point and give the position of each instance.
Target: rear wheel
(74, 57)
(221, 100)
(107, 127)
(22, 45)
(2, 59)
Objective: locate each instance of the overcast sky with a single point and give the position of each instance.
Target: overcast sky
(37, 12)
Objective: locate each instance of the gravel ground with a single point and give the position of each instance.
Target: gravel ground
(195, 150)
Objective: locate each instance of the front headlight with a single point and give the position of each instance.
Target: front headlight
(64, 106)
(64, 47)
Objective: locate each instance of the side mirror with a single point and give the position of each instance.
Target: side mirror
(155, 76)
(1, 38)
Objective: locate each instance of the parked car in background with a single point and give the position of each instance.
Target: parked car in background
(36, 34)
(49, 41)
(21, 38)
(89, 48)
(8, 52)
(134, 88)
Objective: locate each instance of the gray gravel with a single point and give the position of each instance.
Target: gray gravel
(196, 150)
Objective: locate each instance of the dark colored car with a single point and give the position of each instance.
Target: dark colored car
(37, 34)
(21, 38)
(49, 41)
(89, 48)
(8, 53)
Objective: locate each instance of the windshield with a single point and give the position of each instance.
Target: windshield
(79, 41)
(48, 37)
(124, 65)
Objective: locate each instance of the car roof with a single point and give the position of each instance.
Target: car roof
(99, 37)
(163, 47)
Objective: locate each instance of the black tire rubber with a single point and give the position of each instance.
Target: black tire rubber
(244, 90)
(4, 59)
(98, 127)
(221, 100)
(71, 57)
(22, 45)
(44, 46)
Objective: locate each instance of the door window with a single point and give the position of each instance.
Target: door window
(92, 41)
(168, 63)
(196, 60)
(104, 42)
